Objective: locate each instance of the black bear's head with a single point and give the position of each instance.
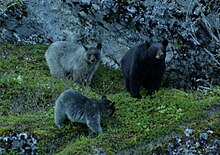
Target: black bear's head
(93, 53)
(157, 50)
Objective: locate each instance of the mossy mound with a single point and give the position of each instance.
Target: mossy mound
(28, 93)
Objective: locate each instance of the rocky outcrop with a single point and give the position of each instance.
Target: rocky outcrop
(192, 28)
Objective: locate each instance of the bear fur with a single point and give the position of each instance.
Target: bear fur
(66, 59)
(144, 66)
(72, 105)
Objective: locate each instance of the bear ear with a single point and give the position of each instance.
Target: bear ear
(104, 97)
(147, 43)
(165, 43)
(99, 46)
(86, 48)
(112, 104)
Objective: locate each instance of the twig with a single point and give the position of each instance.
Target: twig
(104, 87)
(212, 56)
(188, 11)
(193, 34)
(111, 57)
(209, 27)
(1, 13)
(204, 88)
(207, 24)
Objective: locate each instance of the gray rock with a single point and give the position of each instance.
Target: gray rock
(188, 132)
(203, 136)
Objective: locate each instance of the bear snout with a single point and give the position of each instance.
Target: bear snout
(93, 59)
(160, 55)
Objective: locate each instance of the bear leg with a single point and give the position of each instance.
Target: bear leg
(135, 88)
(59, 118)
(127, 84)
(154, 86)
(94, 125)
(55, 69)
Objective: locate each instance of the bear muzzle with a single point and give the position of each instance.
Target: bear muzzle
(160, 55)
(92, 59)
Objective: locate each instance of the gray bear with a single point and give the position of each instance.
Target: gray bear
(66, 59)
(72, 105)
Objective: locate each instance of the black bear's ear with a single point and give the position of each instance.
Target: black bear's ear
(165, 43)
(86, 48)
(147, 43)
(112, 104)
(99, 46)
(104, 97)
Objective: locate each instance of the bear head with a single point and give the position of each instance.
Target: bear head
(156, 50)
(107, 108)
(93, 54)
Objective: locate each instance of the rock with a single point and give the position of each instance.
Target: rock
(203, 136)
(24, 143)
(188, 132)
(210, 131)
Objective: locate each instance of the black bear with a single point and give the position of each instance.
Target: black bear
(72, 105)
(144, 65)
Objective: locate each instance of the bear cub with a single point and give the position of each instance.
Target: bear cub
(72, 105)
(144, 66)
(71, 60)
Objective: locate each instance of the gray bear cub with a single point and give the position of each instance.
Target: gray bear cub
(72, 105)
(66, 59)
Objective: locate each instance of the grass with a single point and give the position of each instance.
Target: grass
(28, 93)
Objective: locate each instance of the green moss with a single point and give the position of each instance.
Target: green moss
(107, 80)
(29, 91)
(3, 130)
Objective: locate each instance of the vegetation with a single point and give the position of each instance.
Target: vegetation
(28, 93)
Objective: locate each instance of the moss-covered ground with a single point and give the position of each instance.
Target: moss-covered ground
(28, 93)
